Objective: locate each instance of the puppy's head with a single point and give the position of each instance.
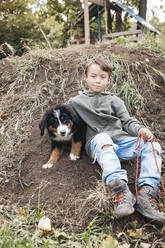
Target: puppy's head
(61, 121)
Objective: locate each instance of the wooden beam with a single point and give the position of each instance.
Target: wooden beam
(118, 34)
(86, 22)
(100, 2)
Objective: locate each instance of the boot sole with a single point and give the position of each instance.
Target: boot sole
(141, 211)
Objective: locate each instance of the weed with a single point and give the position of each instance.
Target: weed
(121, 40)
(94, 200)
(149, 42)
(131, 96)
(123, 84)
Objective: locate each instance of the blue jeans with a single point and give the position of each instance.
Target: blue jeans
(110, 157)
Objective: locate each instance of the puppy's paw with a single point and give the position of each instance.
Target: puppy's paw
(47, 166)
(73, 157)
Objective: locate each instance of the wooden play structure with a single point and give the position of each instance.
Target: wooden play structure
(93, 9)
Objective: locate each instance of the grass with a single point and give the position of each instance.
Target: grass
(20, 230)
(152, 43)
(149, 41)
(123, 84)
(95, 200)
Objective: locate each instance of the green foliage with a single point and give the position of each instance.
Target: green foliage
(132, 2)
(71, 9)
(132, 96)
(20, 21)
(121, 40)
(126, 25)
(19, 231)
(157, 24)
(8, 7)
(54, 8)
(54, 32)
(94, 30)
(64, 13)
(16, 24)
(150, 41)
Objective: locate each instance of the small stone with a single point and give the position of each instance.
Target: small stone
(44, 224)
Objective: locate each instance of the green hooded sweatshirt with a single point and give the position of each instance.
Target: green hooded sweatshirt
(105, 112)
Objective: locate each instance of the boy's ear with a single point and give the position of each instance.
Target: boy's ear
(85, 77)
(109, 79)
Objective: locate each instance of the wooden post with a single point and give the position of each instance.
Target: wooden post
(106, 16)
(86, 22)
(71, 32)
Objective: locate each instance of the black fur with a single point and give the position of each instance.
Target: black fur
(78, 128)
(64, 108)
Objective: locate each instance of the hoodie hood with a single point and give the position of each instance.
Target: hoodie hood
(90, 93)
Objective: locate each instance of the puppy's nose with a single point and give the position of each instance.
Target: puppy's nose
(62, 133)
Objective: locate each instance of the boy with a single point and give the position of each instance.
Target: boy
(111, 136)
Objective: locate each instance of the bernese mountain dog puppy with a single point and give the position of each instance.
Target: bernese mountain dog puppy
(64, 125)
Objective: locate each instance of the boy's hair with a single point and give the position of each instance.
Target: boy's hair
(102, 62)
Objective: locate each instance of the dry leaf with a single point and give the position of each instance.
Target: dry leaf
(2, 130)
(22, 211)
(136, 234)
(2, 116)
(163, 229)
(45, 224)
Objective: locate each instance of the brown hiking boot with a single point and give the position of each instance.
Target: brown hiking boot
(148, 204)
(122, 198)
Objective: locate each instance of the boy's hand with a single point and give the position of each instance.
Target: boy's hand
(146, 133)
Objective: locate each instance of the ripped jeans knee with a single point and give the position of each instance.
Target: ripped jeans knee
(103, 151)
(101, 141)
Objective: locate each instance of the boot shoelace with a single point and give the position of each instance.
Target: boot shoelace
(154, 202)
(119, 198)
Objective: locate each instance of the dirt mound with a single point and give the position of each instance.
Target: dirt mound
(30, 84)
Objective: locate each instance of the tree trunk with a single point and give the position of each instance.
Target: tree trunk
(143, 8)
(108, 17)
(109, 20)
(118, 21)
(142, 11)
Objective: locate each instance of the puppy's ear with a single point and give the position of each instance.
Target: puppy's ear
(43, 123)
(75, 119)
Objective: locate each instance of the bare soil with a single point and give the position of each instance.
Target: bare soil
(61, 189)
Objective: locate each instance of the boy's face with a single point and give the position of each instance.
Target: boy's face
(96, 78)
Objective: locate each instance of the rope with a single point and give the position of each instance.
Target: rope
(99, 25)
(137, 147)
